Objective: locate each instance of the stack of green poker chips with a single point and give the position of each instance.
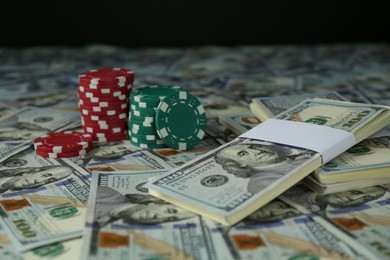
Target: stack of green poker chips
(165, 115)
(141, 124)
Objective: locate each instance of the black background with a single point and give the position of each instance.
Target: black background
(185, 24)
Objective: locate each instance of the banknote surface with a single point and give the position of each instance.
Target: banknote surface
(360, 119)
(40, 205)
(294, 237)
(366, 160)
(240, 123)
(125, 222)
(360, 213)
(136, 161)
(267, 107)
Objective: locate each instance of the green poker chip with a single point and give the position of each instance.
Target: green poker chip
(152, 95)
(143, 130)
(136, 101)
(144, 121)
(143, 110)
(149, 146)
(146, 137)
(141, 125)
(138, 140)
(144, 101)
(139, 113)
(181, 120)
(141, 118)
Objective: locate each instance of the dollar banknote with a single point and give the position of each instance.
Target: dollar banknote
(232, 181)
(137, 161)
(41, 205)
(294, 237)
(239, 123)
(367, 160)
(327, 188)
(267, 107)
(363, 120)
(125, 222)
(20, 127)
(10, 148)
(361, 215)
(7, 251)
(63, 250)
(176, 157)
(38, 119)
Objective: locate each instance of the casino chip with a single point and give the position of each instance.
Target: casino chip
(63, 155)
(181, 120)
(103, 103)
(164, 115)
(107, 76)
(63, 144)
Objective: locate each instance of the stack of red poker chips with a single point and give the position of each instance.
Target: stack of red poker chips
(103, 103)
(63, 144)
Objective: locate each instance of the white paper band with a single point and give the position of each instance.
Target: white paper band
(329, 142)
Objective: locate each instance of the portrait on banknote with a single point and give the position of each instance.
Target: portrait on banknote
(14, 162)
(319, 203)
(109, 150)
(31, 177)
(275, 210)
(262, 162)
(36, 123)
(136, 209)
(14, 134)
(104, 152)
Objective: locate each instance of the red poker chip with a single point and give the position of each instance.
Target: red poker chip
(109, 139)
(108, 130)
(102, 104)
(120, 85)
(107, 95)
(60, 142)
(101, 128)
(108, 112)
(104, 134)
(102, 124)
(105, 88)
(44, 150)
(104, 119)
(94, 98)
(115, 118)
(97, 101)
(101, 88)
(104, 92)
(64, 154)
(103, 109)
(107, 75)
